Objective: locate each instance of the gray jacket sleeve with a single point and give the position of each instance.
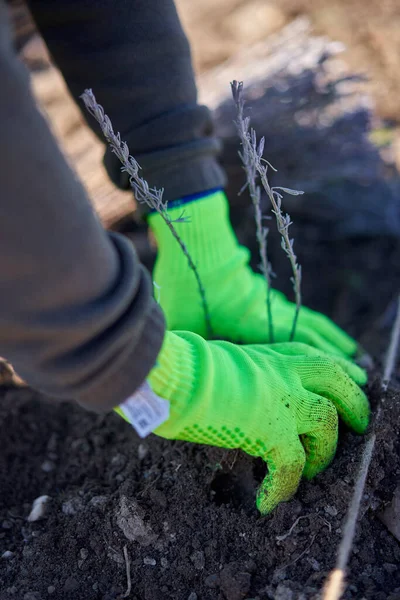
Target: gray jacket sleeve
(135, 56)
(77, 317)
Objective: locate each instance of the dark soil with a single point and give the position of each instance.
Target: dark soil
(186, 513)
(190, 509)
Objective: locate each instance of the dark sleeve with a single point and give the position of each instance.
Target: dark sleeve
(77, 318)
(136, 58)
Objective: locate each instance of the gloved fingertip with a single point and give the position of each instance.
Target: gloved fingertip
(348, 346)
(274, 490)
(355, 372)
(309, 473)
(312, 470)
(360, 426)
(359, 375)
(264, 502)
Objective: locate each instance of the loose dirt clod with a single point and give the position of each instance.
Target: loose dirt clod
(235, 582)
(72, 506)
(130, 520)
(390, 516)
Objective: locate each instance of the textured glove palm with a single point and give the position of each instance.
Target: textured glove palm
(279, 402)
(236, 296)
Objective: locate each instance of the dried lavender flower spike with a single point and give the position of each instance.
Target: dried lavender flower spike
(257, 165)
(153, 197)
(242, 125)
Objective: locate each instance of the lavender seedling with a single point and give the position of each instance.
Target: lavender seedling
(253, 154)
(153, 197)
(242, 126)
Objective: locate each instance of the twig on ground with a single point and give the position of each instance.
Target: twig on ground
(235, 457)
(242, 126)
(254, 154)
(280, 538)
(293, 562)
(153, 197)
(335, 584)
(128, 573)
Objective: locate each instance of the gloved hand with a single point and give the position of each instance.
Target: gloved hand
(236, 296)
(280, 402)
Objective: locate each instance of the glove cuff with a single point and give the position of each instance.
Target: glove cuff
(207, 234)
(172, 375)
(174, 378)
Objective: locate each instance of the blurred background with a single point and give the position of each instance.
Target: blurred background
(366, 32)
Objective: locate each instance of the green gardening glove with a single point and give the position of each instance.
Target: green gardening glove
(279, 402)
(236, 296)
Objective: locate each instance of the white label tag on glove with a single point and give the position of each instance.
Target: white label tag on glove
(145, 410)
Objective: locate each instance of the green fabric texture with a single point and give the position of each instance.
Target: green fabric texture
(236, 296)
(279, 402)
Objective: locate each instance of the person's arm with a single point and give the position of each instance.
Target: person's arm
(136, 58)
(77, 317)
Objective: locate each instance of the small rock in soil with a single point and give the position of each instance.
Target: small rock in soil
(331, 510)
(390, 516)
(142, 451)
(39, 507)
(98, 502)
(118, 461)
(212, 581)
(198, 560)
(48, 466)
(115, 555)
(51, 589)
(26, 534)
(282, 592)
(279, 575)
(149, 561)
(72, 506)
(71, 584)
(164, 562)
(314, 563)
(130, 520)
(7, 554)
(52, 443)
(192, 596)
(235, 583)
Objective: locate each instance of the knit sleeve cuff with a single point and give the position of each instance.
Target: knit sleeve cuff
(131, 368)
(180, 172)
